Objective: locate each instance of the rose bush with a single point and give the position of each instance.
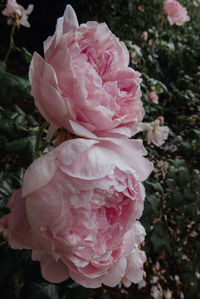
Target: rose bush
(77, 211)
(176, 13)
(84, 83)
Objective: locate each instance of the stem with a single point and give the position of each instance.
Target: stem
(12, 44)
(193, 229)
(16, 285)
(7, 55)
(39, 137)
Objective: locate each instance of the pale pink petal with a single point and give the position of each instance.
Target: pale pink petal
(39, 173)
(70, 21)
(15, 225)
(79, 130)
(116, 274)
(52, 270)
(29, 9)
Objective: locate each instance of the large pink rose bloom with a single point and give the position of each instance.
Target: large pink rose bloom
(176, 13)
(14, 9)
(84, 83)
(77, 211)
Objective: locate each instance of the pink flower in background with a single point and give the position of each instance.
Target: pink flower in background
(150, 42)
(176, 13)
(156, 134)
(153, 95)
(13, 10)
(136, 54)
(84, 83)
(144, 35)
(77, 211)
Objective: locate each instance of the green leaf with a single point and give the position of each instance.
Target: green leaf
(177, 198)
(25, 55)
(17, 178)
(197, 132)
(151, 205)
(105, 296)
(24, 146)
(7, 128)
(31, 290)
(159, 238)
(5, 191)
(12, 86)
(190, 280)
(3, 66)
(171, 183)
(7, 262)
(158, 187)
(76, 291)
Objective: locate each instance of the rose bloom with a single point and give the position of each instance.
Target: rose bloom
(153, 96)
(156, 134)
(176, 13)
(84, 83)
(77, 211)
(144, 35)
(13, 10)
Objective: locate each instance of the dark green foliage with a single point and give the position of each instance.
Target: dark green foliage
(73, 290)
(33, 290)
(25, 55)
(172, 207)
(159, 239)
(13, 87)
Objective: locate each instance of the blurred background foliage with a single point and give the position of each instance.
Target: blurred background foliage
(170, 62)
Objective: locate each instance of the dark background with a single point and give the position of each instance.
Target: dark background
(43, 20)
(121, 16)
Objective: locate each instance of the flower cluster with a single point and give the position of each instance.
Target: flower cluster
(17, 14)
(79, 204)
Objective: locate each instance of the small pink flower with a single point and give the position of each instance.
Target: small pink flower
(13, 10)
(78, 210)
(136, 54)
(150, 42)
(153, 95)
(144, 35)
(156, 134)
(176, 13)
(84, 83)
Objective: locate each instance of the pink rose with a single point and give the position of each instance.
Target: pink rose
(13, 8)
(176, 13)
(77, 211)
(84, 83)
(156, 134)
(153, 95)
(144, 35)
